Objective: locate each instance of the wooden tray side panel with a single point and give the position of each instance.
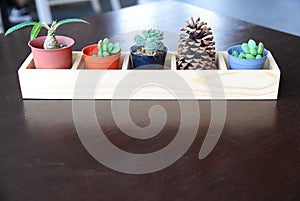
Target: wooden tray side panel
(46, 84)
(251, 84)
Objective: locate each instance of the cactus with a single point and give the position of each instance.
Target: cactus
(50, 41)
(106, 48)
(251, 50)
(150, 40)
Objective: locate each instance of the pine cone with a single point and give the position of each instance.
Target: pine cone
(183, 65)
(196, 48)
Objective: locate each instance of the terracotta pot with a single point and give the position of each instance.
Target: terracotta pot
(60, 58)
(92, 62)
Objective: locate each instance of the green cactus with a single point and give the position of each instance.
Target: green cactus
(260, 48)
(50, 41)
(251, 50)
(151, 40)
(235, 53)
(246, 48)
(106, 48)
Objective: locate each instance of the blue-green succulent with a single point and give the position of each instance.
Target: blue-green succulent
(150, 40)
(106, 48)
(251, 50)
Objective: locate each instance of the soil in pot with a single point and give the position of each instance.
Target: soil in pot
(140, 60)
(60, 58)
(94, 62)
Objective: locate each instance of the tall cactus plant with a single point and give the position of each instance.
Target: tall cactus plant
(50, 41)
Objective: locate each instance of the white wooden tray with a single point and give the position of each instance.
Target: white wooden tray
(126, 83)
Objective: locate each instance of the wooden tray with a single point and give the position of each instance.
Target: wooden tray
(157, 84)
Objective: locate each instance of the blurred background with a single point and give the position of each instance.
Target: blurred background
(276, 14)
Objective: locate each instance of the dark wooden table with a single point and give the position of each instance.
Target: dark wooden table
(256, 158)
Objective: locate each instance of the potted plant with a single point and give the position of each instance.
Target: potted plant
(247, 56)
(104, 55)
(51, 51)
(149, 52)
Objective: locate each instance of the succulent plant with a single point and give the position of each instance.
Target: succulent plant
(106, 48)
(251, 50)
(50, 41)
(150, 40)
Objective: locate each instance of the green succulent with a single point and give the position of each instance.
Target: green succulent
(106, 48)
(151, 40)
(50, 41)
(251, 50)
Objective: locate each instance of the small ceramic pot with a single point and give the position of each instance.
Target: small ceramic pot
(92, 62)
(245, 64)
(60, 58)
(140, 61)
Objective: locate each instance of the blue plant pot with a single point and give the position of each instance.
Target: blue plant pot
(245, 64)
(140, 61)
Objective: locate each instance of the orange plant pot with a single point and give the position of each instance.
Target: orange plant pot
(110, 62)
(60, 58)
